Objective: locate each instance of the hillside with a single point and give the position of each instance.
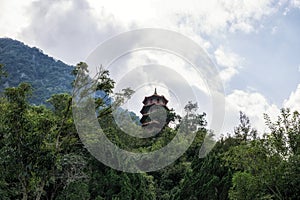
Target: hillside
(29, 64)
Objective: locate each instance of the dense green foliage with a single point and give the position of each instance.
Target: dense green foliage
(25, 64)
(42, 156)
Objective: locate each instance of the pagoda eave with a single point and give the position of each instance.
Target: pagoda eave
(149, 105)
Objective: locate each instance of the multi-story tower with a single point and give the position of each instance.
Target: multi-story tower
(154, 111)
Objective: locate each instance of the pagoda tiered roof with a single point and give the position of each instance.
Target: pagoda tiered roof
(153, 100)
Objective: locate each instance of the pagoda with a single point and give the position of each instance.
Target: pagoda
(154, 111)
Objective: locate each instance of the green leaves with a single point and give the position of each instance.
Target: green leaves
(25, 64)
(42, 157)
(3, 73)
(245, 186)
(31, 146)
(284, 138)
(264, 165)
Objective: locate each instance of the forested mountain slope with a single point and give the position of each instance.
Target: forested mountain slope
(29, 64)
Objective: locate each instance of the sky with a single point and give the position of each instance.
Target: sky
(254, 44)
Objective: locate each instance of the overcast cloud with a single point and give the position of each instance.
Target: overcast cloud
(70, 30)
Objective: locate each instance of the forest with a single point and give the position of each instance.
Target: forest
(29, 64)
(42, 156)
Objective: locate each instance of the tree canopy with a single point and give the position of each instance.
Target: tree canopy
(42, 156)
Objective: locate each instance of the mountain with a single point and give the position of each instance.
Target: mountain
(46, 75)
(29, 64)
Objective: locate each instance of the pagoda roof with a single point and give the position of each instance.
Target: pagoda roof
(155, 95)
(149, 105)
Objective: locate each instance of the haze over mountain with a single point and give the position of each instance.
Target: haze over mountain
(30, 64)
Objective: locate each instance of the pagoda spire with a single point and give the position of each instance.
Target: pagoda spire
(155, 91)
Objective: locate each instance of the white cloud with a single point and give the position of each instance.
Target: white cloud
(289, 5)
(227, 73)
(241, 26)
(293, 101)
(229, 61)
(68, 30)
(214, 16)
(295, 3)
(172, 75)
(253, 104)
(13, 17)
